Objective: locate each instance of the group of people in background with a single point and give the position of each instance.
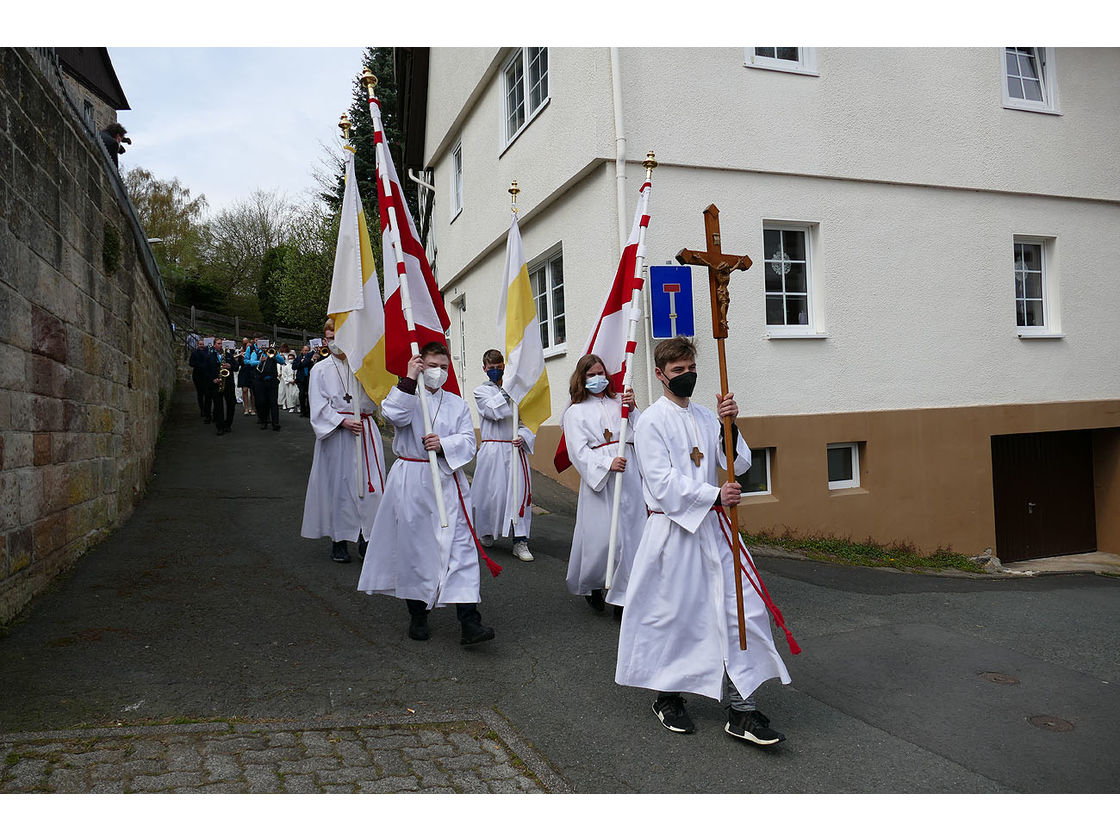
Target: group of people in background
(672, 586)
(263, 379)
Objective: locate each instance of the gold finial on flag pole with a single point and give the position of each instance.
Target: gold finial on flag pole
(650, 163)
(344, 124)
(369, 80)
(513, 191)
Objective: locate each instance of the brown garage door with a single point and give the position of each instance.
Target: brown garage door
(1043, 487)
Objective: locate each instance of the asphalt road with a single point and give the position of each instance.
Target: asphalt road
(208, 604)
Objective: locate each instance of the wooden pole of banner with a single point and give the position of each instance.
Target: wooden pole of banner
(719, 267)
(344, 124)
(402, 278)
(628, 376)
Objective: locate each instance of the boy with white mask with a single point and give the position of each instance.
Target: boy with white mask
(591, 427)
(417, 560)
(494, 504)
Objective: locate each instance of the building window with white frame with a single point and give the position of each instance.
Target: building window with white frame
(788, 280)
(525, 79)
(843, 466)
(801, 60)
(1029, 79)
(1036, 293)
(756, 480)
(546, 277)
(457, 179)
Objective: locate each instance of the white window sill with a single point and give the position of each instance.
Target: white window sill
(553, 352)
(847, 491)
(524, 126)
(757, 498)
(1027, 105)
(773, 335)
(1041, 335)
(793, 68)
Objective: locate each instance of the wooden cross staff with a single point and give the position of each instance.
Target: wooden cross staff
(720, 266)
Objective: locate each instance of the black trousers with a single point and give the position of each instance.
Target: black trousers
(304, 405)
(268, 403)
(224, 405)
(466, 613)
(205, 398)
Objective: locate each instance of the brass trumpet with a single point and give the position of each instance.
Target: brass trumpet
(324, 351)
(270, 352)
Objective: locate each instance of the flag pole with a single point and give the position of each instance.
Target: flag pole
(402, 277)
(628, 369)
(512, 494)
(344, 124)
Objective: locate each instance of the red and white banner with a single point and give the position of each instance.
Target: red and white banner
(428, 313)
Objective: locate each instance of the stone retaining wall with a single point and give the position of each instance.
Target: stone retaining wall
(86, 352)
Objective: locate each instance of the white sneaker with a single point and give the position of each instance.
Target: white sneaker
(521, 551)
(486, 540)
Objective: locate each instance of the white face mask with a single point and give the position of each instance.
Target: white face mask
(596, 384)
(434, 377)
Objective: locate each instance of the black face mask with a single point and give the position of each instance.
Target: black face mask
(683, 385)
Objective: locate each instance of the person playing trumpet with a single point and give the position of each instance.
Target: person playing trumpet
(268, 391)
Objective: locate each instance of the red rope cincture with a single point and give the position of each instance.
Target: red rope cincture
(759, 587)
(527, 496)
(367, 427)
(494, 568)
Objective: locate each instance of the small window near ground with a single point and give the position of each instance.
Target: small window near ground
(843, 465)
(801, 60)
(756, 480)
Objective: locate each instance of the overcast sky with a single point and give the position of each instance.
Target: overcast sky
(226, 121)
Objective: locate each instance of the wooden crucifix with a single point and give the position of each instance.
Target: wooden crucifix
(720, 266)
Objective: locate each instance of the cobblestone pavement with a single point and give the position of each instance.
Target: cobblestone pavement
(473, 753)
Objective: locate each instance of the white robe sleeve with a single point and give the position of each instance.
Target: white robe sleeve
(398, 407)
(685, 500)
(593, 465)
(492, 403)
(456, 438)
(528, 437)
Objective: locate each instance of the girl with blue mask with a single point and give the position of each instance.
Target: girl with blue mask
(591, 428)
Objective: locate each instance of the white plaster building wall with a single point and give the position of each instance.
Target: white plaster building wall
(915, 283)
(916, 293)
(931, 116)
(566, 137)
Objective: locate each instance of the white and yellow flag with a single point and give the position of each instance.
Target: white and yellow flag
(519, 332)
(355, 302)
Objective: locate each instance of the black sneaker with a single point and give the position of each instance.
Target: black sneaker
(669, 709)
(339, 552)
(595, 599)
(363, 544)
(475, 633)
(752, 726)
(418, 627)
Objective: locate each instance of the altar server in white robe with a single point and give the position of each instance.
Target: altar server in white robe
(495, 505)
(680, 629)
(416, 559)
(333, 506)
(591, 427)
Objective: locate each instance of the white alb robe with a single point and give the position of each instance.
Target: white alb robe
(680, 628)
(410, 555)
(288, 394)
(494, 504)
(584, 424)
(332, 507)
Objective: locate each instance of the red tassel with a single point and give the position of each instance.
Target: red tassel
(494, 568)
(794, 647)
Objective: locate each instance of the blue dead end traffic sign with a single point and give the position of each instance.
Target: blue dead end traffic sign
(670, 292)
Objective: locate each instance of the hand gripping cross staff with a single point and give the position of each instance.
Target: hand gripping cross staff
(719, 267)
(628, 369)
(370, 81)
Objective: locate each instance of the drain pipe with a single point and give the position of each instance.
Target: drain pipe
(619, 150)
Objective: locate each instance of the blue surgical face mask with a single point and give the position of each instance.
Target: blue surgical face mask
(597, 384)
(495, 375)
